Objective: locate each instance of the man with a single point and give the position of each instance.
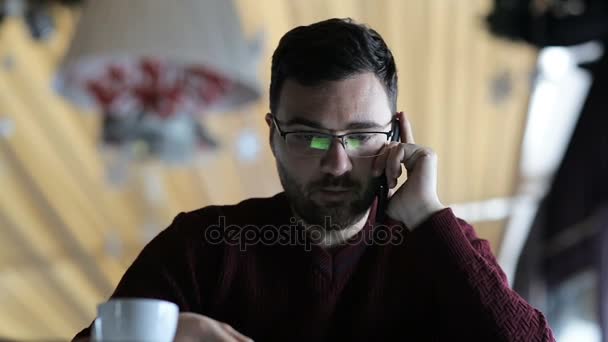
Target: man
(320, 261)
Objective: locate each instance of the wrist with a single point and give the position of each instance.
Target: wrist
(415, 218)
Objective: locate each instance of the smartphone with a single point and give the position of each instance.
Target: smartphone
(383, 188)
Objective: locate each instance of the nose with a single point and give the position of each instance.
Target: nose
(336, 161)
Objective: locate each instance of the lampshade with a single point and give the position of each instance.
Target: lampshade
(151, 66)
(183, 34)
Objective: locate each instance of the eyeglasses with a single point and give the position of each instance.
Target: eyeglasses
(356, 144)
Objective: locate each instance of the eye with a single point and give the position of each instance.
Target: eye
(356, 140)
(309, 140)
(320, 142)
(362, 137)
(305, 137)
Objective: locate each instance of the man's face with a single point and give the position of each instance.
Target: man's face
(333, 184)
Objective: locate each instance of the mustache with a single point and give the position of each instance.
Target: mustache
(331, 181)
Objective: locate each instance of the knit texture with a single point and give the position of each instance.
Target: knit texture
(438, 283)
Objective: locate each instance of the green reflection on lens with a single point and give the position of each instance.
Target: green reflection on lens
(320, 143)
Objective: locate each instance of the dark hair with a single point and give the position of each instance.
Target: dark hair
(331, 50)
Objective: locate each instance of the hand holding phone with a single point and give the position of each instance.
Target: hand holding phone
(417, 198)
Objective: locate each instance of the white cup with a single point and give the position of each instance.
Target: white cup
(135, 320)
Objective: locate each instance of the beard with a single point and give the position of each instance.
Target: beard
(331, 215)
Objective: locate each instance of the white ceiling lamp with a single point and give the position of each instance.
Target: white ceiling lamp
(247, 145)
(152, 66)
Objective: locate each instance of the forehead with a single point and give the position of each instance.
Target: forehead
(336, 104)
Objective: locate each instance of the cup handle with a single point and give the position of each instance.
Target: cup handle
(96, 330)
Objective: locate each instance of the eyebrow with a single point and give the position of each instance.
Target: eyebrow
(352, 125)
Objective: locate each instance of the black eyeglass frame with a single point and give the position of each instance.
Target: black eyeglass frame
(341, 137)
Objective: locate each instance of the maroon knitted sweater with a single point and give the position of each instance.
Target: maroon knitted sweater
(438, 283)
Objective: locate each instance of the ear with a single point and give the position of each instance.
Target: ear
(271, 129)
(268, 119)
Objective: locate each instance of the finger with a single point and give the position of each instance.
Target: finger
(393, 165)
(389, 155)
(239, 337)
(413, 153)
(380, 161)
(406, 129)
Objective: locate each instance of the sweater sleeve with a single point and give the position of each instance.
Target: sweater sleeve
(471, 291)
(163, 270)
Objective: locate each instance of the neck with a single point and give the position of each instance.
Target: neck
(334, 238)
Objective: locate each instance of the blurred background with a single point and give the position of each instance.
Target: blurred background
(116, 115)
